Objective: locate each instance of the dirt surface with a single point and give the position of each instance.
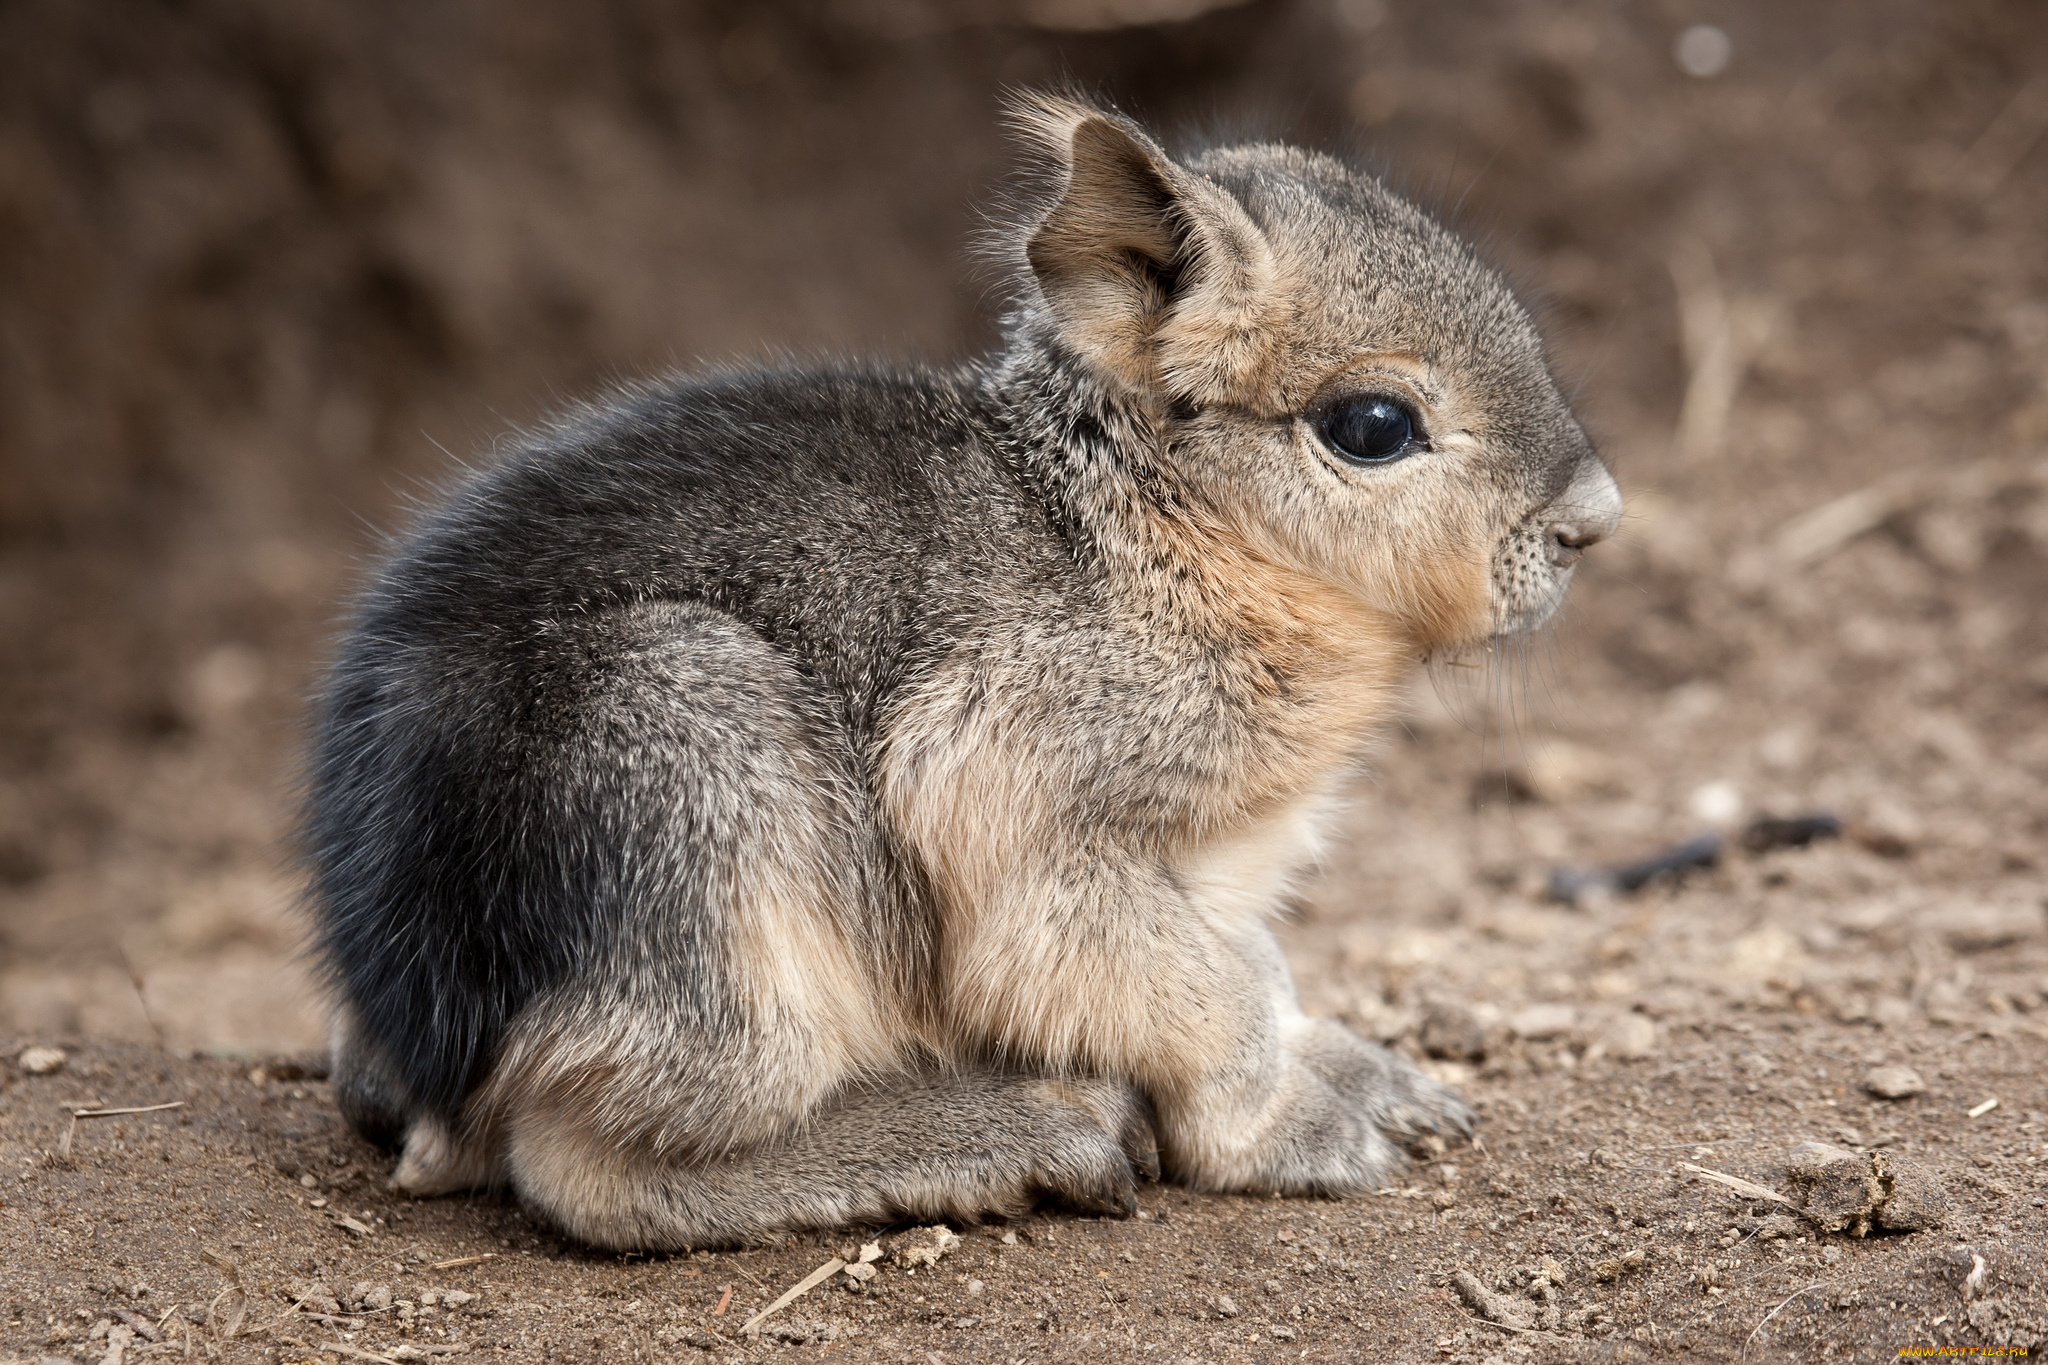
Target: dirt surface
(259, 266)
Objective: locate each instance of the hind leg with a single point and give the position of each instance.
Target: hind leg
(436, 1158)
(957, 1147)
(367, 1088)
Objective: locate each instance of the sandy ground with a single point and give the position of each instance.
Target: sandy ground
(258, 269)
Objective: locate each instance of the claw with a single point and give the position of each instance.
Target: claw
(1119, 1200)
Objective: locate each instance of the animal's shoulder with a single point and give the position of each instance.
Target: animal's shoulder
(848, 514)
(766, 438)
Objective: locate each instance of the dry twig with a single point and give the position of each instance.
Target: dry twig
(342, 1350)
(134, 1109)
(464, 1260)
(1737, 1183)
(807, 1283)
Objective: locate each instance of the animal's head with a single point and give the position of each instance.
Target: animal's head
(1337, 379)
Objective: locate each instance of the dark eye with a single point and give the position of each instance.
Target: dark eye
(1369, 430)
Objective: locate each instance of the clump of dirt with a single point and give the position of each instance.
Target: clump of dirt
(260, 263)
(1840, 1190)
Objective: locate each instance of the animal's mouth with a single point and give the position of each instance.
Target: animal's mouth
(1523, 618)
(1531, 575)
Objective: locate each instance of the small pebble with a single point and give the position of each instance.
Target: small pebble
(1894, 1083)
(1538, 1022)
(1452, 1032)
(456, 1298)
(925, 1246)
(1629, 1038)
(42, 1061)
(1226, 1306)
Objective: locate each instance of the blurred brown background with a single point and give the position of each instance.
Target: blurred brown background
(268, 271)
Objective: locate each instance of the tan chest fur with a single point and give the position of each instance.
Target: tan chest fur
(1088, 845)
(1238, 879)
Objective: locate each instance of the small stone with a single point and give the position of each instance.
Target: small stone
(310, 1181)
(1009, 1239)
(975, 1286)
(1282, 1333)
(378, 1299)
(1540, 1022)
(860, 1272)
(1977, 928)
(1453, 1033)
(42, 1061)
(1894, 1083)
(316, 1297)
(456, 1298)
(1226, 1307)
(1629, 1037)
(925, 1246)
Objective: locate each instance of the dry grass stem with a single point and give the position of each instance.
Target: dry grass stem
(135, 1109)
(342, 1350)
(1751, 1338)
(803, 1286)
(1736, 1182)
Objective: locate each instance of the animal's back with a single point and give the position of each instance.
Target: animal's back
(845, 517)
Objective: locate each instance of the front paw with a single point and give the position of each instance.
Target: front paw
(1350, 1108)
(1095, 1144)
(1397, 1098)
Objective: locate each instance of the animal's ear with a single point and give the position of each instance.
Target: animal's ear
(1151, 271)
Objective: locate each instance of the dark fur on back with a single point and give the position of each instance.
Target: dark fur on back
(853, 518)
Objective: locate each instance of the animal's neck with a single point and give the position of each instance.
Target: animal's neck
(1089, 453)
(1304, 656)
(1094, 455)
